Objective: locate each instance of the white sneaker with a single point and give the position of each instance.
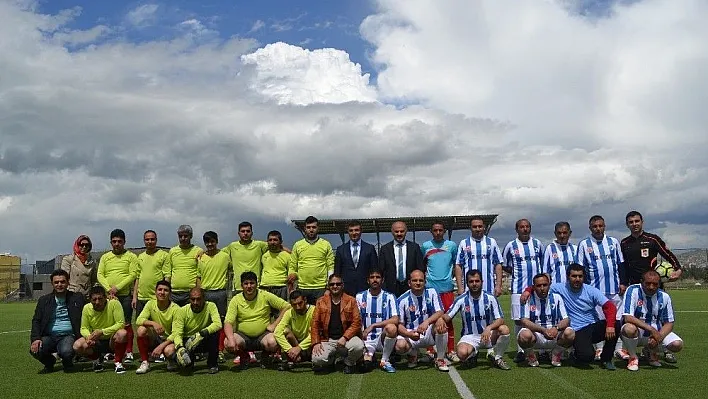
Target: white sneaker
(160, 359)
(452, 356)
(633, 364)
(128, 358)
(119, 368)
(144, 367)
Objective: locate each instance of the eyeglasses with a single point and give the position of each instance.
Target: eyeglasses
(335, 284)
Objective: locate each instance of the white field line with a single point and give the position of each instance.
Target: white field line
(354, 386)
(460, 385)
(14, 332)
(565, 384)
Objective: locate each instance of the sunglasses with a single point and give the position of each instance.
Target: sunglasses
(335, 284)
(84, 244)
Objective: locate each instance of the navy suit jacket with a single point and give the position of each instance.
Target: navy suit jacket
(355, 277)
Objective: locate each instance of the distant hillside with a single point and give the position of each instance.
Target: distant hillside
(693, 257)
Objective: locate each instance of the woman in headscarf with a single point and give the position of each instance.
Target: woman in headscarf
(80, 266)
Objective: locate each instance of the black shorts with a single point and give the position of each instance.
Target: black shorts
(181, 298)
(103, 346)
(139, 307)
(126, 302)
(253, 343)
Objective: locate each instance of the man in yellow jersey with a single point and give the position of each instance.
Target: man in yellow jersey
(213, 266)
(151, 264)
(195, 330)
(293, 331)
(311, 262)
(155, 328)
(247, 326)
(274, 277)
(181, 267)
(102, 330)
(116, 272)
(245, 253)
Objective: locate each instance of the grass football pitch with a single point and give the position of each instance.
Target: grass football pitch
(19, 376)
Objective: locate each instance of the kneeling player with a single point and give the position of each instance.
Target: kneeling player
(482, 323)
(293, 332)
(196, 330)
(379, 318)
(545, 323)
(102, 330)
(648, 321)
(155, 328)
(419, 311)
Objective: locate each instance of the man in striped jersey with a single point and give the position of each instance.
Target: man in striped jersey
(560, 253)
(648, 321)
(479, 252)
(601, 256)
(545, 323)
(523, 258)
(379, 318)
(421, 324)
(482, 323)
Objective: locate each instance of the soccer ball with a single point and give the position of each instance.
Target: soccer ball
(664, 269)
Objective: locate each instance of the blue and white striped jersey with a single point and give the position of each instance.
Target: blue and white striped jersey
(525, 259)
(601, 260)
(546, 312)
(476, 313)
(375, 309)
(479, 255)
(654, 310)
(413, 310)
(557, 258)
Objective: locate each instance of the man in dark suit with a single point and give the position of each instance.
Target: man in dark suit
(353, 260)
(398, 258)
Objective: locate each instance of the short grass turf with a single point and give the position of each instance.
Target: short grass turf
(19, 376)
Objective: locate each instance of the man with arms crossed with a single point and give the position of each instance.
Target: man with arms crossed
(311, 261)
(336, 328)
(195, 329)
(248, 326)
(545, 323)
(439, 255)
(116, 272)
(524, 259)
(648, 321)
(293, 331)
(482, 323)
(421, 325)
(581, 301)
(604, 269)
(379, 317)
(181, 266)
(102, 330)
(155, 328)
(560, 253)
(56, 324)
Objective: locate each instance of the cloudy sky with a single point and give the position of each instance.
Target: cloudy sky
(151, 114)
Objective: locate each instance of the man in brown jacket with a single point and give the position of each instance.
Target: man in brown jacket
(336, 327)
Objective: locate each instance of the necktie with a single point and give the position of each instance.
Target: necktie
(355, 254)
(401, 275)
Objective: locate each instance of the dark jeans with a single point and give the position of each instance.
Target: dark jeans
(210, 345)
(139, 307)
(592, 334)
(62, 345)
(126, 302)
(181, 298)
(219, 297)
(313, 294)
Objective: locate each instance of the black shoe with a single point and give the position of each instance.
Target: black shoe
(471, 362)
(97, 366)
(214, 370)
(520, 357)
(368, 365)
(285, 366)
(544, 357)
(395, 358)
(47, 369)
(349, 369)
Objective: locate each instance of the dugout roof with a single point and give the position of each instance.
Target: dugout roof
(383, 225)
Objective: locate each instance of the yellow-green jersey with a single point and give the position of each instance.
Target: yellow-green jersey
(245, 258)
(187, 323)
(181, 267)
(165, 318)
(299, 325)
(150, 270)
(275, 269)
(252, 317)
(312, 262)
(212, 270)
(109, 320)
(118, 270)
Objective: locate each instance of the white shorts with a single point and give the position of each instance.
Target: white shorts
(671, 337)
(541, 341)
(428, 339)
(475, 340)
(515, 307)
(371, 346)
(617, 301)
